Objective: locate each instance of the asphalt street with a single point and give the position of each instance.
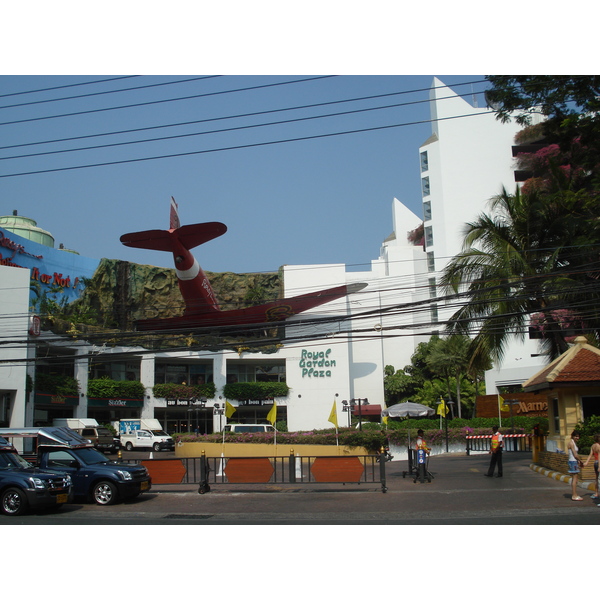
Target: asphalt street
(459, 494)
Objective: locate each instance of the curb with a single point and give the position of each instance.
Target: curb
(562, 477)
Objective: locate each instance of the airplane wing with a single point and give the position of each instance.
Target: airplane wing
(271, 312)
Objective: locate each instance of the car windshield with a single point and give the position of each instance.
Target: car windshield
(159, 432)
(9, 460)
(90, 456)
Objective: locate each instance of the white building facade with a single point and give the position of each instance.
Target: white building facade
(467, 161)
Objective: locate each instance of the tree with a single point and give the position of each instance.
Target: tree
(527, 256)
(450, 360)
(570, 106)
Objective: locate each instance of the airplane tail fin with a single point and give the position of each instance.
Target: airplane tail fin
(189, 236)
(174, 215)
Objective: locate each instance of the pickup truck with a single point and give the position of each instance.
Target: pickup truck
(24, 487)
(95, 478)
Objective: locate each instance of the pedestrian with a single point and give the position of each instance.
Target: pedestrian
(575, 463)
(421, 443)
(496, 448)
(595, 451)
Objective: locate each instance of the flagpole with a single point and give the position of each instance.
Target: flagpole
(499, 413)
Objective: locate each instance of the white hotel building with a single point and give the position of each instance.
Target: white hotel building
(464, 163)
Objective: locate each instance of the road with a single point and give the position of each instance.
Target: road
(459, 494)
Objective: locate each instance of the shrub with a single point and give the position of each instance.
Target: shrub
(110, 388)
(173, 391)
(60, 385)
(255, 390)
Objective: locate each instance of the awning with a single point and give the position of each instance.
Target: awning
(367, 410)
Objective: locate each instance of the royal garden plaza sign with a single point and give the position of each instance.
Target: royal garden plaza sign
(316, 364)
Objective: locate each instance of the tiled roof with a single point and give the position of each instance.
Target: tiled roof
(579, 364)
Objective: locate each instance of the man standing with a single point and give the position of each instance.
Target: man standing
(496, 451)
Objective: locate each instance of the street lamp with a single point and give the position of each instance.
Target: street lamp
(218, 410)
(360, 402)
(348, 409)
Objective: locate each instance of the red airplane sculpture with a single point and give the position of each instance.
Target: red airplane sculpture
(201, 307)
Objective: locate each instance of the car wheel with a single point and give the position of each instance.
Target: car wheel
(156, 447)
(129, 446)
(13, 502)
(105, 493)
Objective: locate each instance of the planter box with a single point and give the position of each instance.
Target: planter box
(195, 449)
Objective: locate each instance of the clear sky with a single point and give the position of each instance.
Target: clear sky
(326, 199)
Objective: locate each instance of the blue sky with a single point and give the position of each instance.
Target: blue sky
(313, 201)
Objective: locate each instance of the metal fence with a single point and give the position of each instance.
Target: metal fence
(268, 470)
(513, 442)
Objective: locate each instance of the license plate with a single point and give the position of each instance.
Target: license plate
(144, 485)
(60, 498)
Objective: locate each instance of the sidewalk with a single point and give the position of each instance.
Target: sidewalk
(586, 485)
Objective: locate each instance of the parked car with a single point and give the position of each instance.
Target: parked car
(24, 487)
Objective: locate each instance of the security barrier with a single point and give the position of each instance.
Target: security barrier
(513, 442)
(267, 470)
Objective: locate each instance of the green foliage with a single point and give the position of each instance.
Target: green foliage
(110, 388)
(587, 430)
(255, 390)
(60, 385)
(173, 391)
(374, 435)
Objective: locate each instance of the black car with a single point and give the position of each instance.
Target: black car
(24, 487)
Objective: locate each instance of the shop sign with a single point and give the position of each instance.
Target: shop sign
(115, 402)
(54, 399)
(265, 402)
(316, 364)
(185, 402)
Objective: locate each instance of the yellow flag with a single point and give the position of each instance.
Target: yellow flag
(384, 420)
(502, 404)
(229, 409)
(272, 416)
(333, 415)
(442, 409)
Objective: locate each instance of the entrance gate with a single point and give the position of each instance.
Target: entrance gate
(268, 470)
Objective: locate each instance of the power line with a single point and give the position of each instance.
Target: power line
(68, 85)
(226, 130)
(105, 92)
(237, 116)
(239, 147)
(154, 102)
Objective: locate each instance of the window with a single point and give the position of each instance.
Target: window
(424, 162)
(191, 374)
(430, 262)
(427, 211)
(425, 186)
(242, 373)
(555, 415)
(428, 236)
(432, 288)
(433, 313)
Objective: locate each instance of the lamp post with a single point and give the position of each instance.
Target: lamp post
(360, 402)
(347, 409)
(219, 410)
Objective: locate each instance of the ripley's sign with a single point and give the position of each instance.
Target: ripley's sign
(26, 254)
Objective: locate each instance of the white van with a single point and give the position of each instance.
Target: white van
(248, 428)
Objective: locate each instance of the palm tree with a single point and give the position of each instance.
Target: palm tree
(450, 359)
(520, 260)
